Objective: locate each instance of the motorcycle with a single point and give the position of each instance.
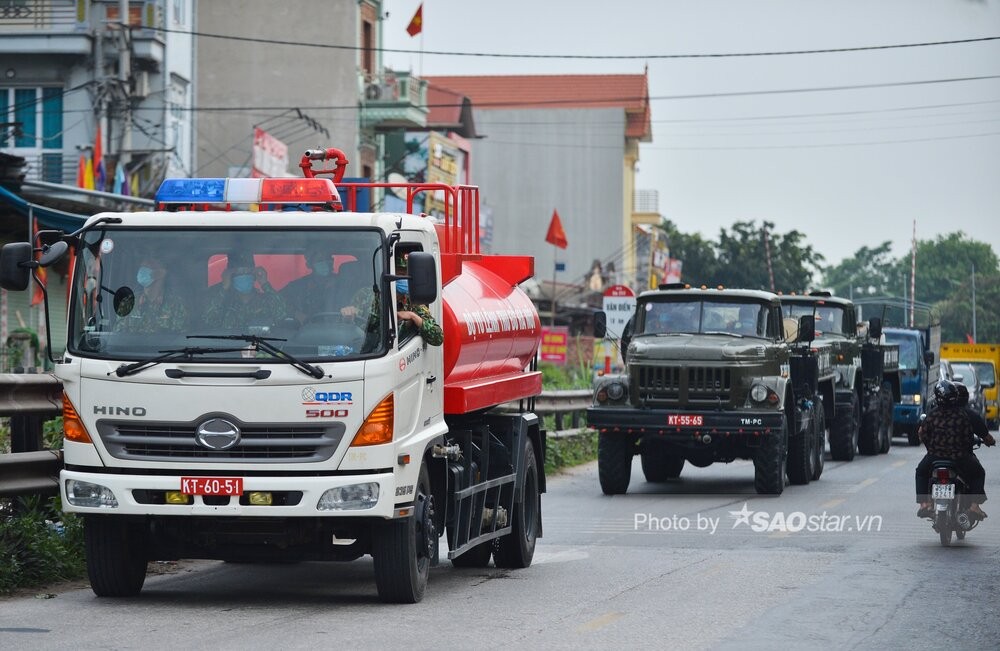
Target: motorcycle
(949, 492)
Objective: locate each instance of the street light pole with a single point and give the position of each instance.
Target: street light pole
(974, 339)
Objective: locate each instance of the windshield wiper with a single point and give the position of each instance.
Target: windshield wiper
(263, 343)
(169, 355)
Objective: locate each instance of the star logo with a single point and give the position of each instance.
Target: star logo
(742, 516)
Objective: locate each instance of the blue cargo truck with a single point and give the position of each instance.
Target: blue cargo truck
(913, 327)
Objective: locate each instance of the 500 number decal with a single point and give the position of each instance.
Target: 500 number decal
(327, 413)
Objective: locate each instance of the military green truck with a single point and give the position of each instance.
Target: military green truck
(714, 375)
(866, 371)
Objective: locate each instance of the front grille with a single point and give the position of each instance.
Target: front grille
(681, 386)
(274, 443)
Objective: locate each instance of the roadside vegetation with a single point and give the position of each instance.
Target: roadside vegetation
(567, 451)
(39, 544)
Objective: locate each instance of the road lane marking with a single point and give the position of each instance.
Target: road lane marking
(899, 463)
(865, 484)
(832, 503)
(599, 622)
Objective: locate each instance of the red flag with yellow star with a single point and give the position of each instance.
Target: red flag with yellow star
(417, 22)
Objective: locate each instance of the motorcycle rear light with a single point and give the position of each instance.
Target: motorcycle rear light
(943, 475)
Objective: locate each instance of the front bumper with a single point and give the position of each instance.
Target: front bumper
(136, 495)
(654, 422)
(907, 414)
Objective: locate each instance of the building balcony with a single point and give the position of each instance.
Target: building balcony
(57, 27)
(393, 100)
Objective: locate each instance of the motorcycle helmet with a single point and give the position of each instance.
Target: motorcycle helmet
(946, 394)
(963, 394)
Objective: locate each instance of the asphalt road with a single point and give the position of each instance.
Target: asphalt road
(698, 563)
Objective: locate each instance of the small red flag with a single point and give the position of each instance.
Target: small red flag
(969, 339)
(556, 235)
(417, 22)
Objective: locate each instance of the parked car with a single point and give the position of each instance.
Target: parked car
(966, 374)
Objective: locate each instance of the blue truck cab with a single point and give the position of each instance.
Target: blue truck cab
(918, 370)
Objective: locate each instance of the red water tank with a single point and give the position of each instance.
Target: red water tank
(491, 334)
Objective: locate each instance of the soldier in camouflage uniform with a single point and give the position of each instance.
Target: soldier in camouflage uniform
(246, 297)
(411, 316)
(154, 309)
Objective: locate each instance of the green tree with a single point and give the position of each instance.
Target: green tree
(743, 258)
(699, 256)
(956, 311)
(868, 272)
(945, 264)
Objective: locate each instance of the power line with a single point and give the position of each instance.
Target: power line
(607, 57)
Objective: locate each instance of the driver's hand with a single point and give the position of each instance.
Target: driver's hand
(989, 440)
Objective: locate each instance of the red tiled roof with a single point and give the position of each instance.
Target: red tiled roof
(631, 92)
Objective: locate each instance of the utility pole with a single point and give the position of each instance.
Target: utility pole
(124, 82)
(974, 339)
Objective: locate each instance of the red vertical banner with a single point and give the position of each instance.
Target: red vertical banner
(37, 295)
(555, 344)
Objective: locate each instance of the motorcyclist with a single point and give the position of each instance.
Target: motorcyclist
(948, 433)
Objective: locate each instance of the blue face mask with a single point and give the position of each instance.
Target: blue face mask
(321, 268)
(243, 283)
(144, 276)
(403, 286)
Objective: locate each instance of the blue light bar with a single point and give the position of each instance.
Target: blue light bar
(191, 191)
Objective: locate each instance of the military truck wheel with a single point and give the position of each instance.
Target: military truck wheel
(885, 429)
(868, 433)
(769, 463)
(801, 455)
(844, 432)
(614, 463)
(116, 560)
(516, 549)
(402, 549)
(820, 450)
(658, 465)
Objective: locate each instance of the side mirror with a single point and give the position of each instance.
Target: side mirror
(52, 253)
(600, 325)
(807, 328)
(15, 270)
(423, 277)
(875, 327)
(958, 377)
(928, 358)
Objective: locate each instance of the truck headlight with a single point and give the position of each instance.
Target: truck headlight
(353, 497)
(910, 399)
(616, 391)
(758, 393)
(84, 493)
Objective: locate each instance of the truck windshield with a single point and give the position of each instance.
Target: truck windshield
(311, 293)
(676, 317)
(829, 318)
(909, 351)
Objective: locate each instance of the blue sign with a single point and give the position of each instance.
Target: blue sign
(560, 266)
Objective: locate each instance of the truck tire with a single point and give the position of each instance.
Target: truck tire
(116, 560)
(820, 449)
(402, 549)
(769, 463)
(885, 427)
(801, 456)
(868, 433)
(517, 549)
(844, 431)
(658, 465)
(614, 463)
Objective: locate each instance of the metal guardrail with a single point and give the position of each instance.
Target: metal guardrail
(29, 399)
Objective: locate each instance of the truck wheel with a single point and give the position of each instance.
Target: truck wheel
(516, 549)
(116, 561)
(868, 433)
(478, 556)
(801, 456)
(885, 428)
(844, 432)
(658, 465)
(769, 463)
(614, 463)
(402, 549)
(819, 451)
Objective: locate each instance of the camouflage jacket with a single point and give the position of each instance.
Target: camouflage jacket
(168, 314)
(228, 310)
(947, 432)
(430, 330)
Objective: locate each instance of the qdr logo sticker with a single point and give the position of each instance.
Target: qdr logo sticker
(310, 396)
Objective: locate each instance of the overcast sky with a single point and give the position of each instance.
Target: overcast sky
(847, 167)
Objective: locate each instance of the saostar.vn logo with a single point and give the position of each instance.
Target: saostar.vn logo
(797, 521)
